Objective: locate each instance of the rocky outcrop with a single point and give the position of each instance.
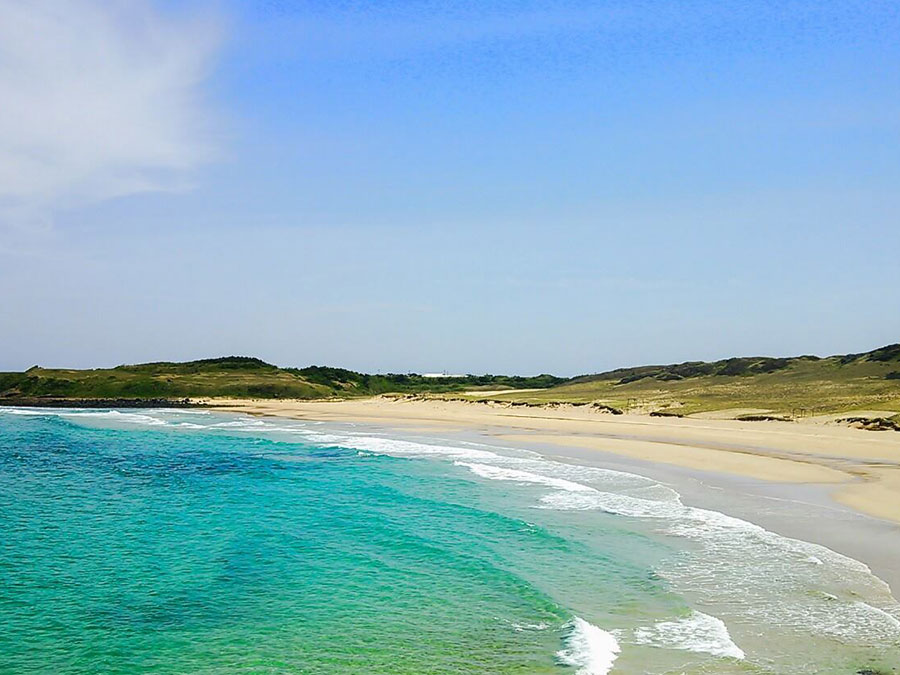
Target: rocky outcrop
(870, 423)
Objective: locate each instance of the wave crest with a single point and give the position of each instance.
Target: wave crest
(588, 648)
(697, 632)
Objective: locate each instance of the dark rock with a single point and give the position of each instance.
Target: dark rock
(871, 423)
(763, 418)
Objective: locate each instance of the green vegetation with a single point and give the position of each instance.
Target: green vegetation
(231, 376)
(794, 387)
(348, 381)
(753, 387)
(235, 377)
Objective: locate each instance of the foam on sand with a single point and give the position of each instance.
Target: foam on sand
(588, 648)
(697, 632)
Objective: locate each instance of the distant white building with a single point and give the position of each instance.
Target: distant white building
(441, 375)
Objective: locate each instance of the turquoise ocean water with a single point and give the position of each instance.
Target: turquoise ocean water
(197, 542)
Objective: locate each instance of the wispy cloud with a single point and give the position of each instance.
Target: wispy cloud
(99, 99)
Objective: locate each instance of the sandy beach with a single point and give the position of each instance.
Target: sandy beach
(834, 485)
(862, 468)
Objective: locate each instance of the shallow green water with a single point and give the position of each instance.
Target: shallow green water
(171, 542)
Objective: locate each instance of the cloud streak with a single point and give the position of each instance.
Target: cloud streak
(100, 99)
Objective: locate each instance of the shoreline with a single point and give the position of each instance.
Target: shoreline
(809, 481)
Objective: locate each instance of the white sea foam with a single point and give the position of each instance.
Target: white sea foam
(610, 502)
(69, 413)
(889, 618)
(519, 476)
(239, 424)
(588, 648)
(697, 632)
(116, 416)
(399, 448)
(740, 562)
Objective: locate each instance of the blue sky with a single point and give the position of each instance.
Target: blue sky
(394, 186)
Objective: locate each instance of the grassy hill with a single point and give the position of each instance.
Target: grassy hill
(795, 386)
(235, 377)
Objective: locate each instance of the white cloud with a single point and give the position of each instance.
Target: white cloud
(99, 99)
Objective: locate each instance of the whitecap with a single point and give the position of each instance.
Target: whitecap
(588, 648)
(519, 476)
(697, 632)
(71, 413)
(239, 424)
(398, 448)
(115, 415)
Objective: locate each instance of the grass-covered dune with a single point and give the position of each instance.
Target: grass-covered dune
(796, 387)
(235, 377)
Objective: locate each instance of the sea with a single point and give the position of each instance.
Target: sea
(191, 541)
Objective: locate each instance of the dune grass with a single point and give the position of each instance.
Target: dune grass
(801, 387)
